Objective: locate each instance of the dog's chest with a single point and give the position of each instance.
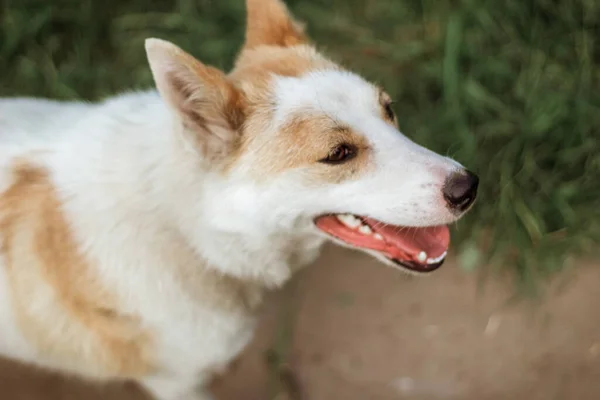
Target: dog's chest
(203, 340)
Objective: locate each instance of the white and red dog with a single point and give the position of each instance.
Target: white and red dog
(139, 234)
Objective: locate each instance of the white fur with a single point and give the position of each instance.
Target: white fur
(129, 184)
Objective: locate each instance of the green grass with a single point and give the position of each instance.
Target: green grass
(509, 88)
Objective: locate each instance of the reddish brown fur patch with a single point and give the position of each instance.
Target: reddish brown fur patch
(301, 143)
(269, 23)
(63, 309)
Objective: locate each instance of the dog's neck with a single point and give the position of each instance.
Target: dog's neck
(238, 235)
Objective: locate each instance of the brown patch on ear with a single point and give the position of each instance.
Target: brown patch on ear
(270, 24)
(208, 103)
(301, 143)
(387, 113)
(63, 308)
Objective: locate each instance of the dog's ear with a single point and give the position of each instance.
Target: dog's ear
(209, 106)
(269, 23)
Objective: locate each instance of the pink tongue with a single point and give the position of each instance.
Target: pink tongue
(432, 240)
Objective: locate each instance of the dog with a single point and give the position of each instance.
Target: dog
(139, 234)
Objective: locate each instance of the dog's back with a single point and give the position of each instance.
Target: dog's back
(27, 120)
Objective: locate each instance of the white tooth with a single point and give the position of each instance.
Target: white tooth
(378, 236)
(365, 230)
(437, 259)
(349, 220)
(422, 256)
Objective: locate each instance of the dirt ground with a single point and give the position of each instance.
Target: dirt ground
(364, 331)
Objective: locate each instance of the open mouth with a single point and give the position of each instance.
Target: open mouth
(417, 249)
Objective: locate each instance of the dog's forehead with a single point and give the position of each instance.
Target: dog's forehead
(339, 94)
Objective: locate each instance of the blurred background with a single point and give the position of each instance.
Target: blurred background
(509, 88)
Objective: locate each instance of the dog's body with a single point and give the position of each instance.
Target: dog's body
(143, 302)
(139, 235)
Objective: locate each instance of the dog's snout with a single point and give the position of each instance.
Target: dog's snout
(460, 190)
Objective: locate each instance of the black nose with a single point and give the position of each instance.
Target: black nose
(460, 190)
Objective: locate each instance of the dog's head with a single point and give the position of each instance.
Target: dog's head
(302, 145)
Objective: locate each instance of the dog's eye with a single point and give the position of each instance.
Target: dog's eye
(389, 113)
(340, 154)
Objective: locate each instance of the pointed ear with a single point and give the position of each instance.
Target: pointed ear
(208, 104)
(269, 23)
